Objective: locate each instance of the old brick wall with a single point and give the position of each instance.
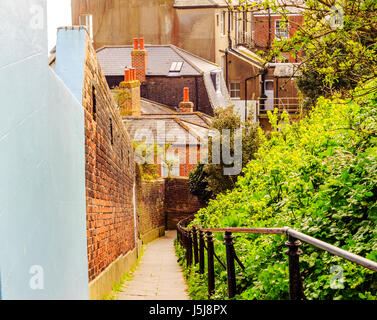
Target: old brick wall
(109, 172)
(169, 91)
(261, 29)
(150, 197)
(179, 202)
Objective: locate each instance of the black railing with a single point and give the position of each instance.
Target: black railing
(193, 241)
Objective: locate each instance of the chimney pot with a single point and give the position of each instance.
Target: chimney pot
(186, 92)
(186, 106)
(133, 74)
(127, 75)
(136, 43)
(141, 41)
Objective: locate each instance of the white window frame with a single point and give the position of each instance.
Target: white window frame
(176, 168)
(279, 33)
(235, 90)
(222, 23)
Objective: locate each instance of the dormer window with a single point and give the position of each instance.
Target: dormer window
(216, 80)
(176, 66)
(86, 20)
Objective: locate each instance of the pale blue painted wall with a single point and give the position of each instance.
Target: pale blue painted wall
(42, 164)
(70, 54)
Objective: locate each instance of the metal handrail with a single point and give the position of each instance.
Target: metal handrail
(293, 243)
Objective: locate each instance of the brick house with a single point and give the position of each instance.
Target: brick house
(231, 38)
(181, 131)
(164, 70)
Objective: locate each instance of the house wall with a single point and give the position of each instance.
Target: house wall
(238, 71)
(109, 173)
(150, 209)
(169, 91)
(261, 27)
(189, 157)
(109, 166)
(117, 22)
(42, 180)
(179, 202)
(194, 31)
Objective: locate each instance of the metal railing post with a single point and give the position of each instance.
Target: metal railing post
(296, 290)
(201, 251)
(189, 249)
(230, 268)
(195, 245)
(211, 266)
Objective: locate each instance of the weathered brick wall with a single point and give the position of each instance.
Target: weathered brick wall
(109, 173)
(150, 197)
(169, 91)
(179, 202)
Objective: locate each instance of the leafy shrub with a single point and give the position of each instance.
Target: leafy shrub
(319, 177)
(209, 179)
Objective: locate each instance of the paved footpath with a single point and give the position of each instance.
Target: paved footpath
(158, 276)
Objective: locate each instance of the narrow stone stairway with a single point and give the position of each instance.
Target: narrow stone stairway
(158, 276)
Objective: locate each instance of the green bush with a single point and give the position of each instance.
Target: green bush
(319, 177)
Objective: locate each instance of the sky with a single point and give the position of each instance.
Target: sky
(58, 15)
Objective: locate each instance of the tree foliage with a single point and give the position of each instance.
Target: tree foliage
(336, 45)
(319, 177)
(209, 179)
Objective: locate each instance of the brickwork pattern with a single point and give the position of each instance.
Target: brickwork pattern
(150, 205)
(109, 172)
(179, 202)
(139, 60)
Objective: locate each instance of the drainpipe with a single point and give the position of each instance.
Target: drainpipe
(196, 95)
(226, 69)
(246, 80)
(229, 30)
(269, 28)
(277, 92)
(226, 52)
(135, 219)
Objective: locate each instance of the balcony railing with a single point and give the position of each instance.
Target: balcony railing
(244, 38)
(291, 105)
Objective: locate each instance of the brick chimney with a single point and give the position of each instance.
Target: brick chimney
(140, 59)
(186, 106)
(129, 94)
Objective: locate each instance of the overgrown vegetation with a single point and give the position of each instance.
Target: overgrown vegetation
(318, 176)
(208, 180)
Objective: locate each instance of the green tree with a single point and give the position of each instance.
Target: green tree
(336, 45)
(209, 179)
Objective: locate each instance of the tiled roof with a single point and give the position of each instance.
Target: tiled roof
(114, 59)
(164, 130)
(152, 107)
(185, 128)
